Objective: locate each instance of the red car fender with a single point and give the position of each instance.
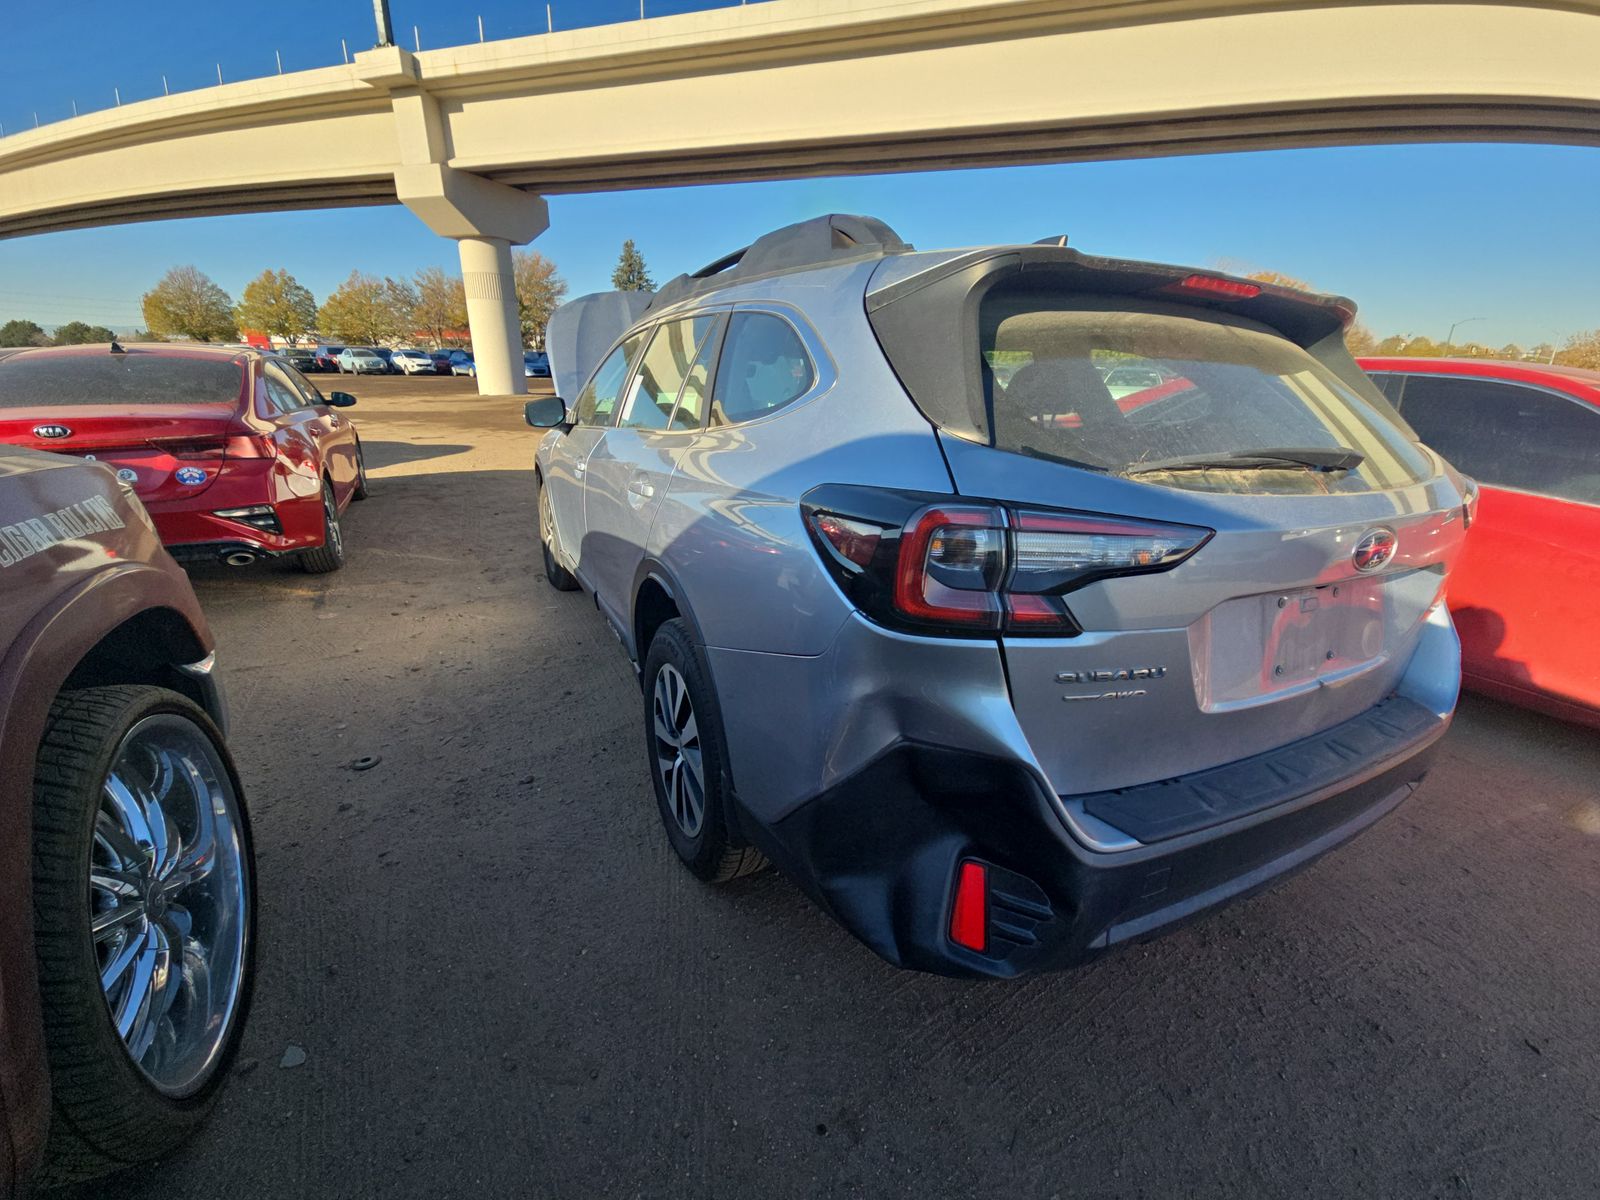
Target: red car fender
(33, 670)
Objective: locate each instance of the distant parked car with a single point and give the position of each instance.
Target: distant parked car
(1529, 434)
(536, 364)
(300, 358)
(328, 357)
(362, 360)
(387, 355)
(236, 456)
(411, 362)
(461, 364)
(440, 360)
(128, 929)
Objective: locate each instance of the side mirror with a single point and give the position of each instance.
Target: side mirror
(341, 399)
(547, 412)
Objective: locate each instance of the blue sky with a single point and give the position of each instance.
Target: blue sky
(1420, 236)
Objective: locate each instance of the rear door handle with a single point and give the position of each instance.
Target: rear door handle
(578, 468)
(641, 488)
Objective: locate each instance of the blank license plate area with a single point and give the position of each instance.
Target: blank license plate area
(1257, 648)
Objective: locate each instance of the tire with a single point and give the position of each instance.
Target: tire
(108, 1110)
(676, 683)
(330, 555)
(362, 491)
(555, 574)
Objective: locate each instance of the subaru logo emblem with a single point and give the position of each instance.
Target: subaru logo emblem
(1374, 550)
(51, 431)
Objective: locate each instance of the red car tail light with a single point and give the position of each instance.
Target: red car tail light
(1211, 285)
(958, 567)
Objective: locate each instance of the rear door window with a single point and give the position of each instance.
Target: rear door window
(282, 395)
(661, 373)
(597, 403)
(1115, 386)
(1509, 435)
(764, 366)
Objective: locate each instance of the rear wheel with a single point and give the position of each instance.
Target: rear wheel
(555, 574)
(330, 555)
(689, 759)
(144, 913)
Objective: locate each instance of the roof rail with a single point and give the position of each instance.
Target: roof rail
(836, 237)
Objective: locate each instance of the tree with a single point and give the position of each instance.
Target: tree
(1544, 352)
(18, 332)
(441, 307)
(539, 290)
(1581, 350)
(76, 333)
(366, 309)
(1358, 339)
(275, 304)
(631, 275)
(1510, 350)
(186, 303)
(1391, 345)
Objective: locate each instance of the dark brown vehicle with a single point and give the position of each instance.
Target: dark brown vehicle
(127, 883)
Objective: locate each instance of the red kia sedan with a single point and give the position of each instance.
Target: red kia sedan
(236, 455)
(1523, 592)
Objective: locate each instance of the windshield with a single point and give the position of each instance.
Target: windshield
(1103, 384)
(137, 377)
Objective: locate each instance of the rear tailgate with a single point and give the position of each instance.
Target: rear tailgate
(164, 453)
(1266, 635)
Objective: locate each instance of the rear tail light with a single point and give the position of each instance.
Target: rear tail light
(216, 449)
(945, 565)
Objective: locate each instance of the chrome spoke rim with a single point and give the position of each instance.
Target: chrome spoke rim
(169, 896)
(678, 757)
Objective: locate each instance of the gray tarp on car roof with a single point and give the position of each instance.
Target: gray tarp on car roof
(581, 330)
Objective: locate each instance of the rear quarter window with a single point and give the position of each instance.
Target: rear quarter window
(44, 381)
(764, 367)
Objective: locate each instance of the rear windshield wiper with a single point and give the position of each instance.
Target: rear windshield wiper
(1274, 458)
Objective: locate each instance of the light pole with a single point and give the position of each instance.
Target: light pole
(380, 13)
(1449, 338)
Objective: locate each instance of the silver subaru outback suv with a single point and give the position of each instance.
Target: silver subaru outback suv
(1017, 603)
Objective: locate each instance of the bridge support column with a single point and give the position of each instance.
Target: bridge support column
(485, 219)
(492, 315)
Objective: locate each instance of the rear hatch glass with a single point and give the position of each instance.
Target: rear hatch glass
(1170, 395)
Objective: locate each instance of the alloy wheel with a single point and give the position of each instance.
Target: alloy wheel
(678, 755)
(168, 898)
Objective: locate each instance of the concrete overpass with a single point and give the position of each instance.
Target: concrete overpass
(471, 138)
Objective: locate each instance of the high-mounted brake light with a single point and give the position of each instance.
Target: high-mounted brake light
(957, 567)
(1232, 289)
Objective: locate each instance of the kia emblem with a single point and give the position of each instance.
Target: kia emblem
(1375, 549)
(51, 431)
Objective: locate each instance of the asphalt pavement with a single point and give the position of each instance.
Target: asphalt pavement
(483, 973)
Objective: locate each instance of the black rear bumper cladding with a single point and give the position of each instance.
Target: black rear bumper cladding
(880, 852)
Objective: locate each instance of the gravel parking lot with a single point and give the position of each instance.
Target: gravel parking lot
(483, 972)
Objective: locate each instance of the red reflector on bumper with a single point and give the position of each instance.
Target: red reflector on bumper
(969, 916)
